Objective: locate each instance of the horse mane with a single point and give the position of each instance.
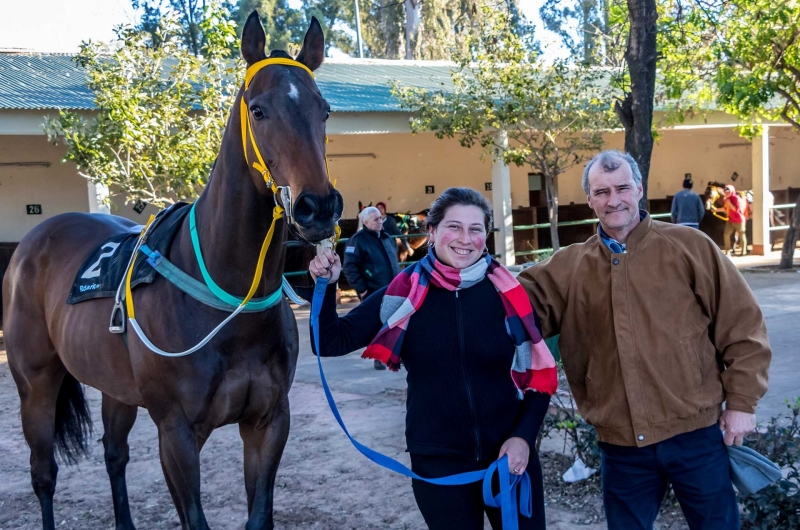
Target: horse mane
(716, 184)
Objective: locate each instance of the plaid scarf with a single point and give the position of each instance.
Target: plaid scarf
(533, 367)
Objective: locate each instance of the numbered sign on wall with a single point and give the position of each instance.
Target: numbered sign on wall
(34, 209)
(428, 189)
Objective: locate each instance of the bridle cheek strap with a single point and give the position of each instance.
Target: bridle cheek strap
(247, 126)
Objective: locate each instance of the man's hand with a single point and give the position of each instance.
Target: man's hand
(518, 454)
(736, 426)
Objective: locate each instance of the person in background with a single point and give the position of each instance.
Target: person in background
(735, 208)
(370, 258)
(658, 331)
(479, 377)
(687, 206)
(391, 228)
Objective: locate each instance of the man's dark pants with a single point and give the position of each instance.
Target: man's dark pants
(696, 464)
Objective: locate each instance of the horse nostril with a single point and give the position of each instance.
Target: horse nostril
(306, 208)
(336, 204)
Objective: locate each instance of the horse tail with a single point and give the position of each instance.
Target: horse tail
(73, 421)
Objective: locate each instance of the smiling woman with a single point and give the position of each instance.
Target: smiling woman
(479, 374)
(458, 222)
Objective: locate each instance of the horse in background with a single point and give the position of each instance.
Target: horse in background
(408, 223)
(412, 223)
(715, 198)
(713, 223)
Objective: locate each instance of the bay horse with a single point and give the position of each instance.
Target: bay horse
(241, 376)
(412, 223)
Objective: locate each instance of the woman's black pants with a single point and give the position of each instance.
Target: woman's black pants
(462, 507)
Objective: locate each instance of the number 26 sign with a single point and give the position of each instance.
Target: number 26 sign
(34, 209)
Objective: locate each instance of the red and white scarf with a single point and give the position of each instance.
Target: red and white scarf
(533, 367)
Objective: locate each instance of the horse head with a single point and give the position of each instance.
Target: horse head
(283, 117)
(714, 192)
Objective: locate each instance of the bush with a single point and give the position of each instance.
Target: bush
(777, 507)
(581, 437)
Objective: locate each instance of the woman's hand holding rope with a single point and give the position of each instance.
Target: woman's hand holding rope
(518, 454)
(326, 265)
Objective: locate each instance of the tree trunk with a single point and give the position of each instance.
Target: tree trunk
(789, 244)
(551, 186)
(588, 35)
(413, 18)
(636, 110)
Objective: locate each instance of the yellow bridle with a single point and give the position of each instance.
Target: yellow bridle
(260, 166)
(247, 127)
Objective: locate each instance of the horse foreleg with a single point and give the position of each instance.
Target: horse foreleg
(118, 419)
(180, 460)
(39, 395)
(263, 447)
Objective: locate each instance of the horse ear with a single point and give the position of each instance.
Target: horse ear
(253, 40)
(313, 51)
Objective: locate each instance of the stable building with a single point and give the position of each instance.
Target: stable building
(372, 154)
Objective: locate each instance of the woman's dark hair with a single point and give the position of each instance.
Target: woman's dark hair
(457, 197)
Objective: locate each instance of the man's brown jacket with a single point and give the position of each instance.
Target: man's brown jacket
(655, 340)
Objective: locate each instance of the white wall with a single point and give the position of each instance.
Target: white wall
(402, 166)
(57, 188)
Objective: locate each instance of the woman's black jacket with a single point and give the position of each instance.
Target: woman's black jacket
(461, 401)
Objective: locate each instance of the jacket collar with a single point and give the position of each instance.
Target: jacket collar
(639, 233)
(373, 233)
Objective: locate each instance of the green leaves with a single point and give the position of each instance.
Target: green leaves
(742, 55)
(161, 110)
(554, 114)
(759, 55)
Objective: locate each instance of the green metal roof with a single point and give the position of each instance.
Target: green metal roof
(54, 81)
(42, 81)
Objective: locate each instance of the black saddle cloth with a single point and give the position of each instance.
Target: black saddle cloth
(101, 272)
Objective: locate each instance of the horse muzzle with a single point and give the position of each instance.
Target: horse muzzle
(315, 216)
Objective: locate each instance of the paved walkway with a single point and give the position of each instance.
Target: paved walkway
(778, 293)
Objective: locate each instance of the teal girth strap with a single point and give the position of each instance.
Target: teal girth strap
(199, 291)
(228, 299)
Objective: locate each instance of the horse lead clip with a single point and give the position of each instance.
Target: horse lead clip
(117, 322)
(286, 198)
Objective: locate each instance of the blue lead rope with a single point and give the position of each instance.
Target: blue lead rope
(510, 485)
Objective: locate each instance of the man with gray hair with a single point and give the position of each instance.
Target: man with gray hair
(370, 257)
(657, 331)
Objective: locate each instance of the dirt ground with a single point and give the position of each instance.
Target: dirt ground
(323, 483)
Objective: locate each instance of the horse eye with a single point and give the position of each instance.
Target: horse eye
(257, 113)
(327, 114)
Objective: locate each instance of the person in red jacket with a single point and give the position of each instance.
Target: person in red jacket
(734, 207)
